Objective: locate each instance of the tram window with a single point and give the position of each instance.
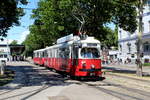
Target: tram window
(75, 53)
(45, 54)
(52, 53)
(67, 52)
(61, 53)
(37, 54)
(90, 53)
(57, 53)
(49, 53)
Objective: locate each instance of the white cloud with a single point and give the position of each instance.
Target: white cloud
(20, 40)
(5, 41)
(23, 36)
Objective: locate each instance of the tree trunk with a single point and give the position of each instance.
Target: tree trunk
(139, 42)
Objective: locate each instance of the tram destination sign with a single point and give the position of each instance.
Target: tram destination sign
(91, 44)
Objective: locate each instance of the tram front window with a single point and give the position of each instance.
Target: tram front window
(90, 53)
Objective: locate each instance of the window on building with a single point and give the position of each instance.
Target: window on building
(142, 27)
(120, 34)
(146, 47)
(148, 3)
(5, 56)
(120, 47)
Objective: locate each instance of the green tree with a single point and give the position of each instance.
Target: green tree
(57, 18)
(111, 38)
(9, 14)
(14, 42)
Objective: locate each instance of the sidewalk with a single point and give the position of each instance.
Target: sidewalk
(126, 68)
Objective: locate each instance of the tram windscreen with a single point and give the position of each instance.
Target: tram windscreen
(90, 53)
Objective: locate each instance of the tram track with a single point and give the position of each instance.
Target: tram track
(117, 90)
(130, 94)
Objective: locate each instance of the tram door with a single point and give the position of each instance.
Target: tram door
(75, 55)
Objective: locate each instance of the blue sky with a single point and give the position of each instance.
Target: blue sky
(19, 32)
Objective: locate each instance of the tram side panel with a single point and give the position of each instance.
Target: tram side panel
(35, 58)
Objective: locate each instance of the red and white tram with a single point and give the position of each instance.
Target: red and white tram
(76, 56)
(39, 57)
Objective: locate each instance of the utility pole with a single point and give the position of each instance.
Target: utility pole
(139, 41)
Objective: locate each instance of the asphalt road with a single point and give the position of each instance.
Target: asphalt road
(34, 82)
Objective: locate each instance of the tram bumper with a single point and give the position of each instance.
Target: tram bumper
(89, 70)
(91, 74)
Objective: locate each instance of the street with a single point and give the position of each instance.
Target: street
(33, 82)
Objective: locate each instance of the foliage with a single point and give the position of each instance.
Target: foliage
(9, 14)
(111, 38)
(57, 18)
(14, 42)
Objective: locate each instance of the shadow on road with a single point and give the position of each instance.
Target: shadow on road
(31, 76)
(119, 70)
(123, 70)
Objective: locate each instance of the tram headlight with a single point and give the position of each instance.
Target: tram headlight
(84, 65)
(92, 66)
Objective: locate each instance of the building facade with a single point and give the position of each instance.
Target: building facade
(11, 52)
(127, 42)
(4, 52)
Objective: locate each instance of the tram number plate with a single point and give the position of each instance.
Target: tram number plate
(92, 74)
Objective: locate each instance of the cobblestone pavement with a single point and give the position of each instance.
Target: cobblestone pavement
(38, 83)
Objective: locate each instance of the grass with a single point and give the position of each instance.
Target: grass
(146, 64)
(7, 77)
(133, 75)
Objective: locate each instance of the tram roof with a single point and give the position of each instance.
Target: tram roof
(39, 50)
(74, 39)
(90, 40)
